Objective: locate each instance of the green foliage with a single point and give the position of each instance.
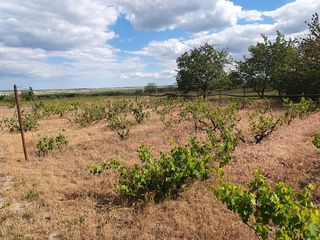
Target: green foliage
(150, 88)
(202, 70)
(197, 111)
(47, 143)
(30, 122)
(305, 77)
(223, 133)
(28, 95)
(91, 114)
(122, 106)
(316, 140)
(220, 125)
(268, 65)
(55, 108)
(164, 176)
(268, 209)
(140, 112)
(262, 124)
(121, 125)
(301, 109)
(10, 124)
(167, 113)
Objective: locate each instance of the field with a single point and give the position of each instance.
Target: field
(54, 195)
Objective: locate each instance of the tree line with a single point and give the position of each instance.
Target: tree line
(288, 66)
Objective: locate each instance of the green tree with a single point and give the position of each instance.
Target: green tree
(150, 88)
(28, 95)
(202, 70)
(306, 77)
(268, 65)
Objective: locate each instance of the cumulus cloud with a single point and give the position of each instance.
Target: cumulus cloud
(68, 40)
(290, 18)
(192, 15)
(54, 25)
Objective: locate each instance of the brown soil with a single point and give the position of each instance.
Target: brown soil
(55, 195)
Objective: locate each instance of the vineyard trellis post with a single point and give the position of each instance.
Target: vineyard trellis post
(16, 95)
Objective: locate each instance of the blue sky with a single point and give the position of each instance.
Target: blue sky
(102, 43)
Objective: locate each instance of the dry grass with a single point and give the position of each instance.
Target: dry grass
(67, 200)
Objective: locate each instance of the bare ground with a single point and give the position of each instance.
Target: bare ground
(72, 204)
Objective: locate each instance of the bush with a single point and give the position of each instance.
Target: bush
(262, 124)
(268, 209)
(47, 144)
(166, 113)
(301, 109)
(197, 111)
(223, 133)
(150, 88)
(60, 108)
(28, 95)
(121, 125)
(30, 123)
(161, 177)
(139, 112)
(91, 114)
(316, 140)
(10, 124)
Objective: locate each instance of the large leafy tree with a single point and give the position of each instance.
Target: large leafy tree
(202, 70)
(269, 64)
(306, 77)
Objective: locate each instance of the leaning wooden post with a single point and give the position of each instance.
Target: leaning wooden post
(20, 123)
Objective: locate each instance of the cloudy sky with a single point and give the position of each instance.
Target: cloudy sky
(102, 43)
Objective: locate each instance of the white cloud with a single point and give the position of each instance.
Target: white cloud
(290, 18)
(54, 25)
(66, 40)
(192, 15)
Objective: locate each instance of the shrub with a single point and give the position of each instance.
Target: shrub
(197, 111)
(29, 121)
(316, 140)
(268, 209)
(121, 125)
(220, 118)
(166, 113)
(122, 106)
(223, 133)
(10, 124)
(91, 114)
(47, 144)
(301, 109)
(40, 109)
(139, 112)
(263, 124)
(28, 95)
(161, 177)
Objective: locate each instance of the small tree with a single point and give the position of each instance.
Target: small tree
(268, 65)
(150, 88)
(28, 95)
(202, 70)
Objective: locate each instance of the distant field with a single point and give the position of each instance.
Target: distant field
(133, 91)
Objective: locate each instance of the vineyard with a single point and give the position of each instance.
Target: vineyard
(161, 168)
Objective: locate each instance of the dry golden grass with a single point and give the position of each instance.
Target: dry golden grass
(56, 194)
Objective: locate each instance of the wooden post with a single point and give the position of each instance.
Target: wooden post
(20, 123)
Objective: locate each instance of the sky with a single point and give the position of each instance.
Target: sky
(121, 43)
